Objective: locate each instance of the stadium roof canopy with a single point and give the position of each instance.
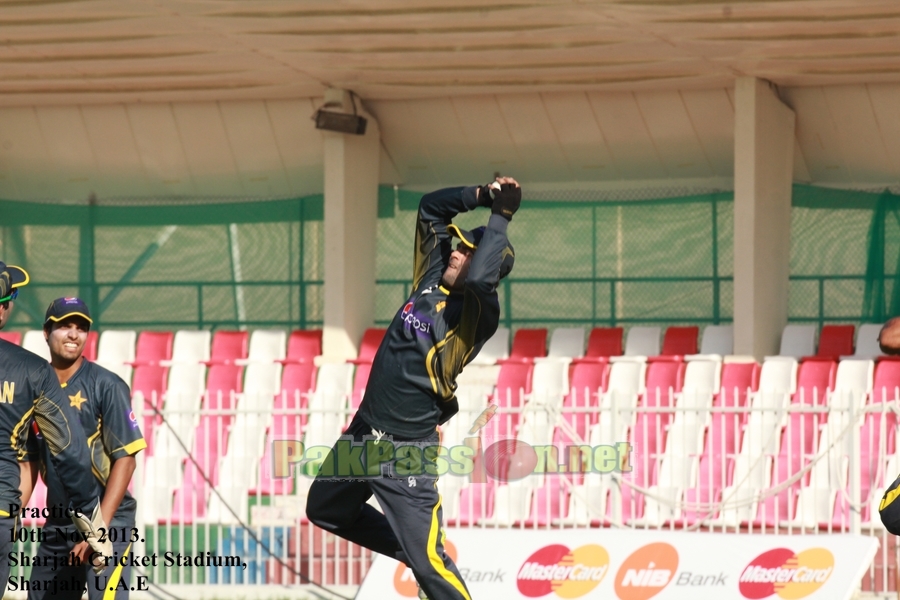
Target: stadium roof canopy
(648, 82)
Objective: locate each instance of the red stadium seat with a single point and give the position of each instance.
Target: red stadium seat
(367, 349)
(836, 340)
(228, 346)
(679, 341)
(13, 337)
(605, 342)
(528, 344)
(303, 346)
(153, 347)
(90, 346)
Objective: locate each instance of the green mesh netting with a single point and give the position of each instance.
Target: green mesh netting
(579, 262)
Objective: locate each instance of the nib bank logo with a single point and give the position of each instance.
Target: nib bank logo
(646, 572)
(567, 573)
(785, 574)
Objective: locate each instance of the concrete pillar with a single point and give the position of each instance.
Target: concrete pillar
(351, 214)
(763, 173)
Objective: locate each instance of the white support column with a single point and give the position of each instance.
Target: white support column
(763, 175)
(351, 214)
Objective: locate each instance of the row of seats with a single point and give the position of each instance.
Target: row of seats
(235, 378)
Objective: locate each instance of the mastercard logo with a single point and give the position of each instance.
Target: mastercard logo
(785, 574)
(646, 571)
(405, 581)
(567, 573)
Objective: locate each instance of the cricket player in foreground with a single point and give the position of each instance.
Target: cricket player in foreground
(103, 403)
(452, 312)
(30, 392)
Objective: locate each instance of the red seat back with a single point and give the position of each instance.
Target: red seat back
(227, 346)
(605, 341)
(304, 344)
(370, 342)
(90, 346)
(529, 343)
(679, 341)
(836, 340)
(13, 337)
(153, 347)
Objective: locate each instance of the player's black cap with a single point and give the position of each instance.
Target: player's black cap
(473, 238)
(63, 308)
(890, 508)
(11, 277)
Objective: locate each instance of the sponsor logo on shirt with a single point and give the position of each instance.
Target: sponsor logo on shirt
(415, 322)
(132, 419)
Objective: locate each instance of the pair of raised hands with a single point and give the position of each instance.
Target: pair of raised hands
(503, 196)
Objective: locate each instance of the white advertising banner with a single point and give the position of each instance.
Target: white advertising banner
(640, 565)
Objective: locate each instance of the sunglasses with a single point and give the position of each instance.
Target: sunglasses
(13, 296)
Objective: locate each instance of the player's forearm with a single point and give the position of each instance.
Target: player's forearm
(444, 204)
(116, 485)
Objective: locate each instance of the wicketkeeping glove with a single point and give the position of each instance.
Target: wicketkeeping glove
(507, 200)
(90, 530)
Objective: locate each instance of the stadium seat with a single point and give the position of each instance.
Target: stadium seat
(34, 341)
(798, 341)
(566, 342)
(717, 339)
(528, 344)
(13, 337)
(495, 349)
(115, 351)
(513, 384)
(153, 347)
(476, 503)
(549, 381)
(328, 404)
(148, 384)
(90, 346)
(665, 376)
(867, 341)
(836, 341)
(191, 346)
(367, 349)
(588, 381)
(38, 501)
(722, 441)
(685, 436)
(266, 345)
(605, 342)
(227, 347)
(759, 440)
(642, 341)
(303, 345)
(679, 341)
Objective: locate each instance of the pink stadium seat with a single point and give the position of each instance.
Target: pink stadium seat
(513, 383)
(228, 346)
(297, 381)
(665, 375)
(836, 340)
(90, 346)
(153, 347)
(722, 441)
(304, 345)
(587, 381)
(528, 344)
(150, 381)
(679, 341)
(476, 502)
(13, 337)
(605, 342)
(815, 377)
(548, 502)
(367, 349)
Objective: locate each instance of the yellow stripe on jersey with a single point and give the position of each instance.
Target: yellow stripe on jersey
(20, 434)
(436, 561)
(133, 448)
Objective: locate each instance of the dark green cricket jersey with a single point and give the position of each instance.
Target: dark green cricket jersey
(29, 390)
(412, 385)
(103, 404)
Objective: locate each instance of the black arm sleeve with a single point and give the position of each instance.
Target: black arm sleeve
(433, 247)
